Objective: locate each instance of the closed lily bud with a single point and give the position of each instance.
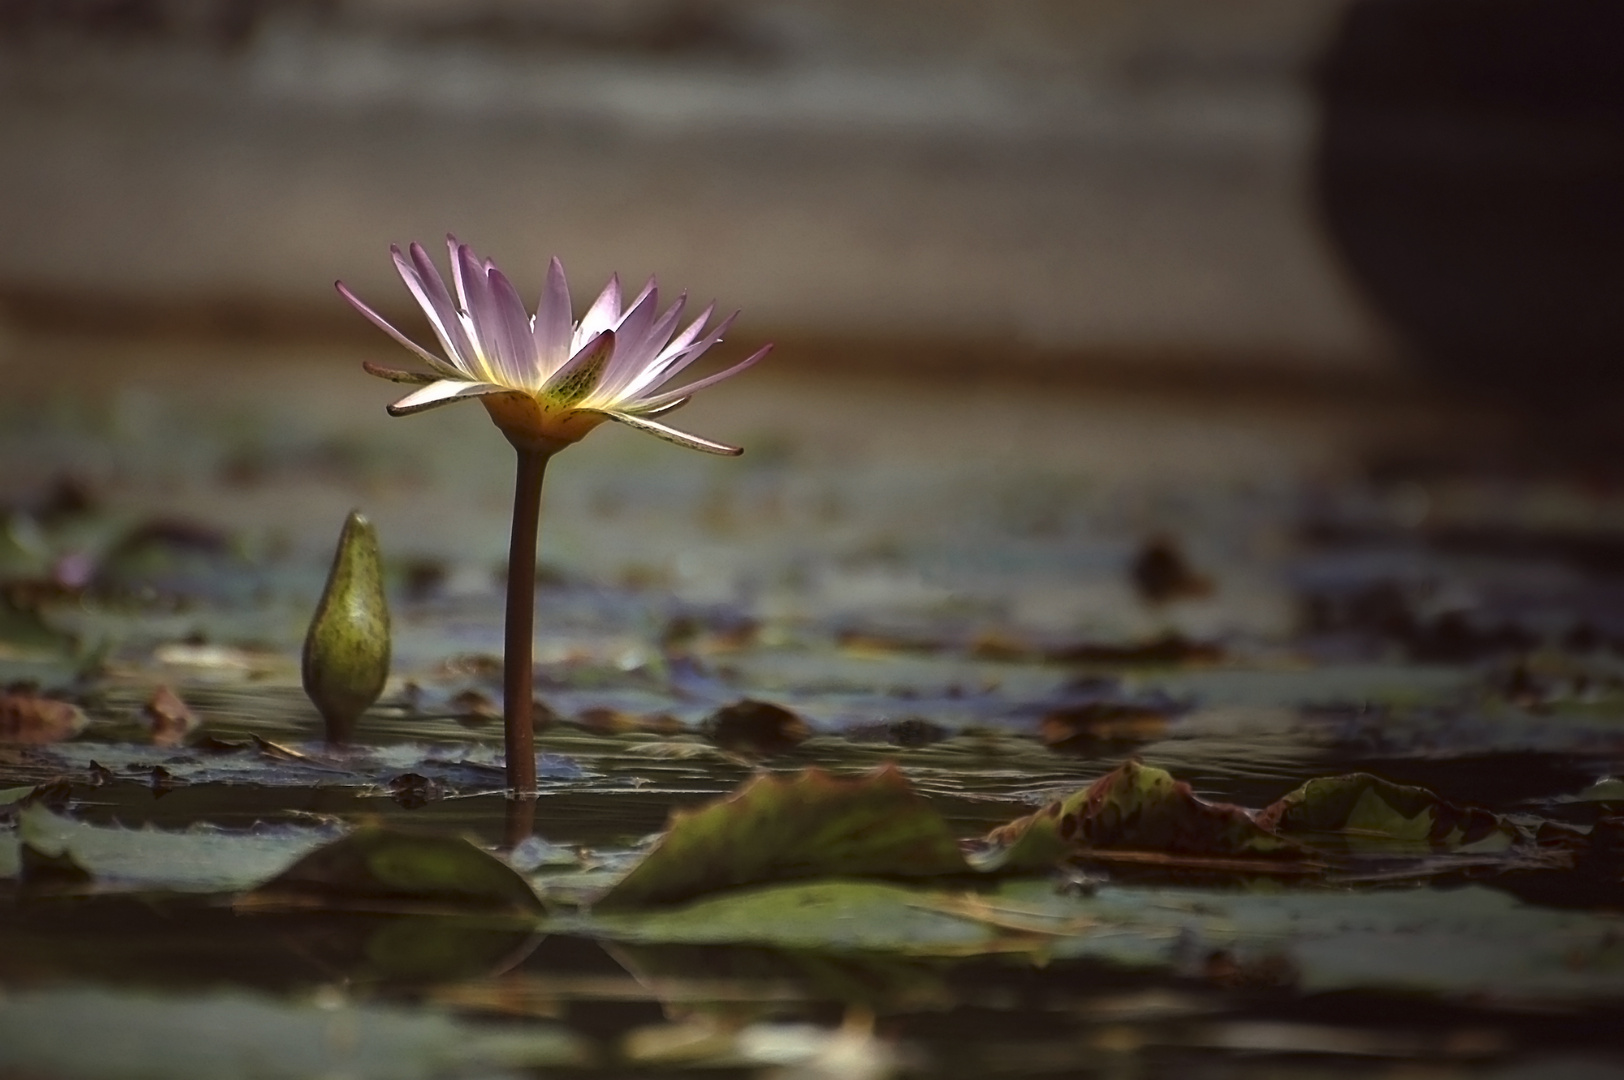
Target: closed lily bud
(346, 652)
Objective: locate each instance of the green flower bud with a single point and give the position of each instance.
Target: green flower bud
(346, 652)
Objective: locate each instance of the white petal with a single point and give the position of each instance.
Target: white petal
(483, 317)
(604, 312)
(673, 359)
(425, 283)
(442, 393)
(552, 329)
(517, 347)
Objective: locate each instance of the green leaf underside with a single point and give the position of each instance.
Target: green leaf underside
(580, 382)
(379, 864)
(813, 825)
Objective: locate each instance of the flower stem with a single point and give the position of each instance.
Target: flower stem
(518, 725)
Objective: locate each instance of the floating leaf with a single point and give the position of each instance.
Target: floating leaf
(346, 652)
(1132, 807)
(376, 863)
(1364, 811)
(810, 825)
(200, 859)
(28, 718)
(831, 915)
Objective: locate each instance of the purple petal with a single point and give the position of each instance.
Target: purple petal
(383, 324)
(682, 340)
(484, 317)
(432, 296)
(552, 329)
(673, 360)
(604, 312)
(633, 346)
(517, 349)
(658, 401)
(630, 362)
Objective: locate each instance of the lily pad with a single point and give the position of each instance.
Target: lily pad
(376, 863)
(807, 826)
(198, 859)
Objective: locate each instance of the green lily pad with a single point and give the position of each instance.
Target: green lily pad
(808, 826)
(823, 915)
(377, 863)
(194, 860)
(1449, 942)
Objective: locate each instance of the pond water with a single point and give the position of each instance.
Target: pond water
(1007, 590)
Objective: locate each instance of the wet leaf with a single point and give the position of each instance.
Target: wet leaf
(378, 864)
(1137, 808)
(1366, 812)
(346, 652)
(169, 719)
(809, 825)
(30, 719)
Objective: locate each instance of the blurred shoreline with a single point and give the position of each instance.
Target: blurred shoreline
(1081, 189)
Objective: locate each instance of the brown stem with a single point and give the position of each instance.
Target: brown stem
(517, 723)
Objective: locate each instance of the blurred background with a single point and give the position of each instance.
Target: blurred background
(1103, 183)
(1152, 256)
(1305, 188)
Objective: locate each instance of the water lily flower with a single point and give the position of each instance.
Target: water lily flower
(546, 381)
